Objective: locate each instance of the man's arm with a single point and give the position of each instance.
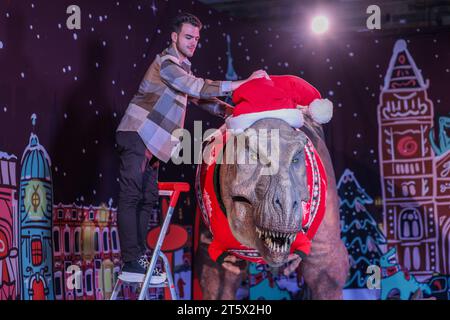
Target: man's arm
(174, 76)
(214, 106)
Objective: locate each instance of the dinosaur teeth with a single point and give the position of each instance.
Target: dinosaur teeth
(276, 240)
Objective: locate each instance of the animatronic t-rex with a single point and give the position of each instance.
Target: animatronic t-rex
(266, 211)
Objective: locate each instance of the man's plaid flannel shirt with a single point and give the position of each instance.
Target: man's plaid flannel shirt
(159, 106)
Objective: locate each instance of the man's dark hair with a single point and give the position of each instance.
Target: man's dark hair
(185, 17)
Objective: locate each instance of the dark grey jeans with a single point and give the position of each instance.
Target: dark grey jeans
(138, 183)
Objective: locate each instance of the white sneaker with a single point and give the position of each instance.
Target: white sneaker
(158, 277)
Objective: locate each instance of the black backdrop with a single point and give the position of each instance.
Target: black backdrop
(79, 82)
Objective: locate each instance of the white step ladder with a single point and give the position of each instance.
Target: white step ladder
(172, 189)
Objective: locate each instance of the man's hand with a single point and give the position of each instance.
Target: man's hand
(259, 74)
(294, 261)
(228, 108)
(255, 75)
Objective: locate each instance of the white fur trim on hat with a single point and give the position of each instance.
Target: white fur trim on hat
(293, 117)
(321, 110)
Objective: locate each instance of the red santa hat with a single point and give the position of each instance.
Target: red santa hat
(280, 97)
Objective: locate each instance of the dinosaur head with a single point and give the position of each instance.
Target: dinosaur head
(264, 199)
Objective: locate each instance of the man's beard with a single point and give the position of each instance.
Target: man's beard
(186, 52)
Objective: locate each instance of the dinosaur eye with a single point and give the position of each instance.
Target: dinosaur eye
(297, 157)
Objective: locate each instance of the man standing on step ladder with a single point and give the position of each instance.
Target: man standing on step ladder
(144, 136)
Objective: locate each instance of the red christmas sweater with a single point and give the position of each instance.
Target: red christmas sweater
(280, 91)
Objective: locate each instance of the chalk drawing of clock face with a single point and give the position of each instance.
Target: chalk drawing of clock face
(407, 146)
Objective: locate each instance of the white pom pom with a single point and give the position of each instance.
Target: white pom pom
(321, 110)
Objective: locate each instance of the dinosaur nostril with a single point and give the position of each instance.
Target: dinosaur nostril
(278, 203)
(295, 205)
